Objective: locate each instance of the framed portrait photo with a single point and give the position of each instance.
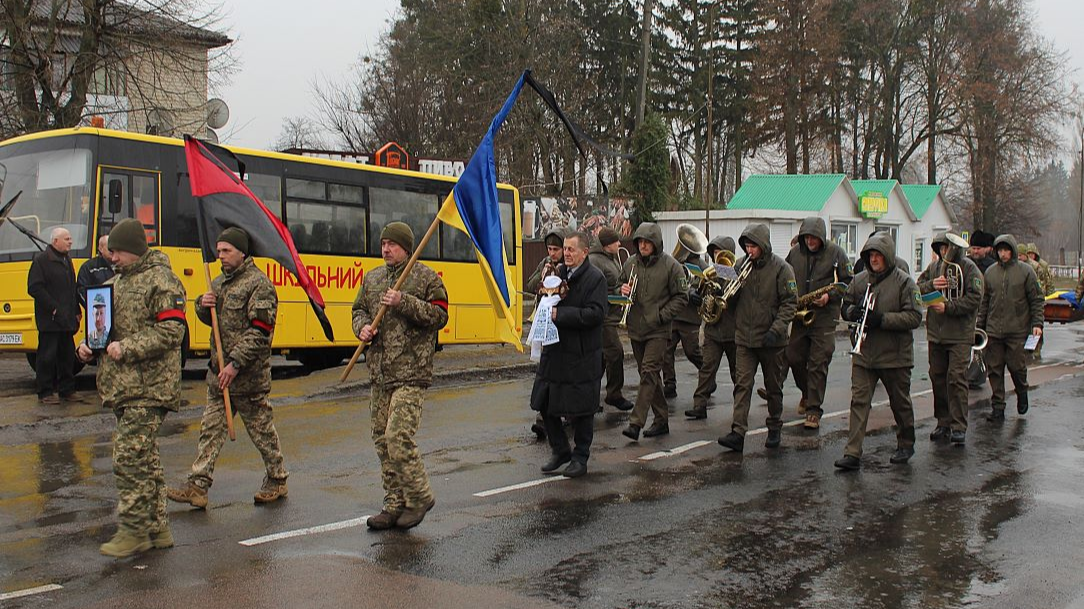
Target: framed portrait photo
(99, 319)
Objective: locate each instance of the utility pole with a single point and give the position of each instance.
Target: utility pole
(1080, 216)
(711, 150)
(645, 61)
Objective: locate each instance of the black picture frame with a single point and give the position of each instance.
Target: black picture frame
(98, 297)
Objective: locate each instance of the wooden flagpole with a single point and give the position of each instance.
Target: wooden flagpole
(218, 348)
(398, 285)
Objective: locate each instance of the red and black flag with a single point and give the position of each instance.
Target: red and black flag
(223, 200)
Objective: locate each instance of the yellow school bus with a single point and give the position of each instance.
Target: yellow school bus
(87, 179)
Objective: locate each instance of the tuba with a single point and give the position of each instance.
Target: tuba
(953, 272)
(691, 240)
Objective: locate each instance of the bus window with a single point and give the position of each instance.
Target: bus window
(139, 199)
(268, 189)
(456, 245)
(56, 191)
(416, 209)
(508, 230)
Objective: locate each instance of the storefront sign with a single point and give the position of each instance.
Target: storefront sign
(872, 204)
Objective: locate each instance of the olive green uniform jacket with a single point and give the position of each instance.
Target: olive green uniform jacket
(1013, 302)
(956, 326)
(814, 270)
(660, 288)
(149, 324)
(612, 271)
(768, 300)
(897, 300)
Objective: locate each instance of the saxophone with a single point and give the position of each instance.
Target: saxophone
(806, 314)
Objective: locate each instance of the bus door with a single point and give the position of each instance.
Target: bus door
(129, 193)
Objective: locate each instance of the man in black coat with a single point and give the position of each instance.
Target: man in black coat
(51, 283)
(96, 271)
(569, 374)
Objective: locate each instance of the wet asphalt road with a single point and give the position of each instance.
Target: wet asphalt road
(995, 524)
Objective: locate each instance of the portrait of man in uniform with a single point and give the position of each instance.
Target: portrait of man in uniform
(100, 319)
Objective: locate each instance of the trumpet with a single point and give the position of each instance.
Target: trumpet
(624, 323)
(868, 302)
(730, 290)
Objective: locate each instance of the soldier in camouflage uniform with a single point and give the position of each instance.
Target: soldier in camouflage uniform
(139, 377)
(1023, 253)
(400, 361)
(1045, 275)
(246, 303)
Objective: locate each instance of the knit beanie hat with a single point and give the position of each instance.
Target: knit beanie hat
(607, 235)
(129, 236)
(236, 237)
(399, 232)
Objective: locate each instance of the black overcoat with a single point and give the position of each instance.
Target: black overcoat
(51, 283)
(569, 373)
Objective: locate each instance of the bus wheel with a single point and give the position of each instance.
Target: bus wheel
(32, 359)
(319, 359)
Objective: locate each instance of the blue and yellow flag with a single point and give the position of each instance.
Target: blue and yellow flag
(472, 208)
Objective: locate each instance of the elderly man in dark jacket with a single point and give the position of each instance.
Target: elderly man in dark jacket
(569, 373)
(887, 352)
(818, 263)
(1011, 309)
(51, 283)
(763, 310)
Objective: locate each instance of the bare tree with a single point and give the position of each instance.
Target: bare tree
(144, 65)
(299, 132)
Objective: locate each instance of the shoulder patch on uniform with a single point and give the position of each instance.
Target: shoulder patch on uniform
(917, 298)
(178, 302)
(792, 286)
(976, 283)
(683, 282)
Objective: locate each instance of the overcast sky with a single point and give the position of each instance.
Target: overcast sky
(285, 45)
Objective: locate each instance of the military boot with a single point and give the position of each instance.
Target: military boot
(190, 494)
(697, 412)
(162, 538)
(125, 544)
(412, 517)
(1022, 401)
(272, 490)
(801, 406)
(382, 521)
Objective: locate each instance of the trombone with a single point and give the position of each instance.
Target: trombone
(868, 302)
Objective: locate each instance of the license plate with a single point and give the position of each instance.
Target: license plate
(11, 338)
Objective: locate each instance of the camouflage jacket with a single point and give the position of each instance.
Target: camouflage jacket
(402, 352)
(149, 324)
(1045, 276)
(247, 304)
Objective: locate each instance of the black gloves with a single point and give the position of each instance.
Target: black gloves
(771, 339)
(874, 320)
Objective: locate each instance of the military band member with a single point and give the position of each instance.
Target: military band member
(685, 330)
(554, 240)
(817, 263)
(139, 378)
(887, 353)
(950, 331)
(661, 292)
(1011, 309)
(604, 257)
(718, 341)
(569, 373)
(246, 305)
(400, 361)
(763, 310)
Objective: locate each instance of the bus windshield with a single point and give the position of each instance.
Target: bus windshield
(54, 188)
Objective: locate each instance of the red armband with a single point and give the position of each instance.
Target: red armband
(440, 303)
(172, 315)
(262, 327)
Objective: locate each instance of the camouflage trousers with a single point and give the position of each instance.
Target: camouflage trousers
(141, 484)
(255, 412)
(396, 414)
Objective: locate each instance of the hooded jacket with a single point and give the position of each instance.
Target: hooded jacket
(956, 326)
(723, 330)
(534, 282)
(661, 287)
(690, 312)
(814, 270)
(767, 302)
(1013, 301)
(611, 269)
(891, 344)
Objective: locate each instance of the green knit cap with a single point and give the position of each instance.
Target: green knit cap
(129, 236)
(236, 237)
(400, 233)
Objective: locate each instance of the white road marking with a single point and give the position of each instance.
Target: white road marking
(674, 451)
(324, 528)
(516, 487)
(29, 592)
